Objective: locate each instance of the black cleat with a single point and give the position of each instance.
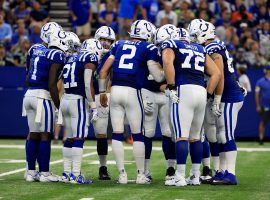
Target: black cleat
(170, 171)
(103, 173)
(206, 177)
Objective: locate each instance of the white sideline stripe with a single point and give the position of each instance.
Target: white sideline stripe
(19, 146)
(90, 198)
(51, 163)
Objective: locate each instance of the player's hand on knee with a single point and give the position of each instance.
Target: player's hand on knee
(216, 110)
(148, 106)
(103, 100)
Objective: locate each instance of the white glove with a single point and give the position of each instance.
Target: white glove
(148, 106)
(172, 94)
(103, 111)
(243, 90)
(94, 115)
(215, 108)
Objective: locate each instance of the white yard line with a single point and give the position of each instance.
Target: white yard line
(88, 198)
(19, 146)
(51, 163)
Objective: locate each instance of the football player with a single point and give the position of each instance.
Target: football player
(184, 65)
(40, 102)
(156, 105)
(106, 37)
(130, 59)
(46, 31)
(77, 74)
(224, 108)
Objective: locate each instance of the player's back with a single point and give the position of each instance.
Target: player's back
(41, 60)
(73, 72)
(189, 62)
(130, 64)
(232, 91)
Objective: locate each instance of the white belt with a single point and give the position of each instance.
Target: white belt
(72, 96)
(40, 93)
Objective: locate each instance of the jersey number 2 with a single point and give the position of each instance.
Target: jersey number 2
(127, 57)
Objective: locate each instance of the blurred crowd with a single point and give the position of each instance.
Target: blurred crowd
(244, 25)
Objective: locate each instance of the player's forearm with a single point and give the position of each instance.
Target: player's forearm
(55, 96)
(169, 74)
(213, 82)
(220, 86)
(257, 99)
(218, 60)
(87, 84)
(168, 59)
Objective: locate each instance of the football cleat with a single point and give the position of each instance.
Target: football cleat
(206, 177)
(48, 177)
(103, 173)
(80, 179)
(31, 176)
(65, 178)
(217, 178)
(148, 175)
(227, 179)
(193, 180)
(122, 179)
(179, 180)
(142, 179)
(170, 175)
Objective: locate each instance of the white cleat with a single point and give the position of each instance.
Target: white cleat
(122, 178)
(31, 176)
(48, 177)
(179, 180)
(142, 179)
(170, 180)
(193, 180)
(65, 178)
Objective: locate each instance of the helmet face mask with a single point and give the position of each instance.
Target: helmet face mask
(183, 35)
(59, 40)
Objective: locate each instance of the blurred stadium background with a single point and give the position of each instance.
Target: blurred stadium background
(244, 25)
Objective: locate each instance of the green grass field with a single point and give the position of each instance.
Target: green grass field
(252, 170)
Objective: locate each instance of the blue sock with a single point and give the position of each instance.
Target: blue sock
(206, 149)
(68, 143)
(168, 147)
(44, 155)
(221, 148)
(148, 147)
(214, 148)
(196, 149)
(102, 146)
(32, 148)
(230, 146)
(181, 149)
(138, 137)
(118, 136)
(78, 143)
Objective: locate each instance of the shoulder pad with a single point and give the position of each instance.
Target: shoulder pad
(215, 47)
(55, 55)
(87, 57)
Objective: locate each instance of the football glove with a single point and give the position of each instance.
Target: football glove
(148, 106)
(171, 92)
(94, 115)
(243, 90)
(215, 108)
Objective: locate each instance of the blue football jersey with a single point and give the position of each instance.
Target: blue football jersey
(130, 64)
(73, 72)
(232, 91)
(30, 54)
(96, 74)
(189, 62)
(41, 61)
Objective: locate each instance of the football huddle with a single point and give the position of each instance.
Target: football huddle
(182, 78)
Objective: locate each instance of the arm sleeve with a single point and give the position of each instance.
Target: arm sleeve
(87, 84)
(156, 70)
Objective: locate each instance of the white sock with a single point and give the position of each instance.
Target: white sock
(196, 169)
(118, 152)
(231, 161)
(170, 163)
(146, 166)
(67, 159)
(139, 153)
(181, 169)
(76, 160)
(206, 162)
(215, 160)
(222, 162)
(102, 160)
